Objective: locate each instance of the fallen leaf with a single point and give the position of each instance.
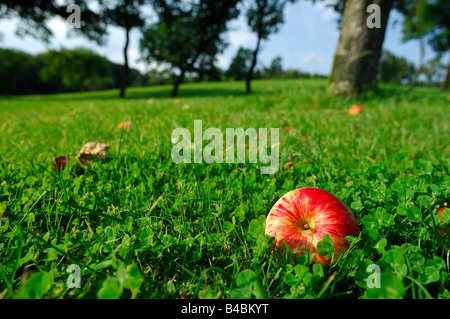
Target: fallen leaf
(92, 150)
(287, 165)
(305, 138)
(177, 101)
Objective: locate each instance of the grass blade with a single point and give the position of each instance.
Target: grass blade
(91, 211)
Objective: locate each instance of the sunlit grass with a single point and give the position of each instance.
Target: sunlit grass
(190, 230)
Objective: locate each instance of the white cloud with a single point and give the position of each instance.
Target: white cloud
(310, 57)
(242, 38)
(327, 13)
(223, 61)
(239, 34)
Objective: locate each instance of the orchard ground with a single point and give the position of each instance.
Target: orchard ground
(137, 225)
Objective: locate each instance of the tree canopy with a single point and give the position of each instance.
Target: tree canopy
(34, 16)
(264, 18)
(186, 32)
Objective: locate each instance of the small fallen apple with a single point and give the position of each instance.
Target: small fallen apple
(440, 211)
(302, 217)
(355, 109)
(124, 125)
(61, 162)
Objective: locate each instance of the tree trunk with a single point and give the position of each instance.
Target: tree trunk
(177, 83)
(125, 65)
(420, 68)
(444, 84)
(255, 53)
(252, 66)
(185, 69)
(355, 65)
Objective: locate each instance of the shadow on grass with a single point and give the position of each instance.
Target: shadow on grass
(235, 89)
(188, 90)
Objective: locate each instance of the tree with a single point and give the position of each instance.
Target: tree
(415, 27)
(207, 70)
(34, 16)
(75, 70)
(437, 14)
(127, 15)
(355, 65)
(187, 32)
(432, 69)
(394, 69)
(264, 17)
(19, 72)
(240, 64)
(429, 23)
(276, 66)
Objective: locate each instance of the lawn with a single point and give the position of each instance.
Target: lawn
(137, 225)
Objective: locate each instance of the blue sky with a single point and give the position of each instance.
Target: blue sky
(306, 41)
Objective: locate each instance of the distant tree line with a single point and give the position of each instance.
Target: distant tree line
(398, 70)
(57, 71)
(81, 69)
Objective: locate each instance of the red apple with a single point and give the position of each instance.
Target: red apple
(303, 216)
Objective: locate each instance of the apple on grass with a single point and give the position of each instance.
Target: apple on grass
(355, 109)
(302, 217)
(443, 232)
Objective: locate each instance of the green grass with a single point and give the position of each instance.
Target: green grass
(140, 226)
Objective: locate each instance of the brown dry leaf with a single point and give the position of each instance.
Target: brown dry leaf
(90, 150)
(287, 165)
(177, 101)
(355, 109)
(305, 138)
